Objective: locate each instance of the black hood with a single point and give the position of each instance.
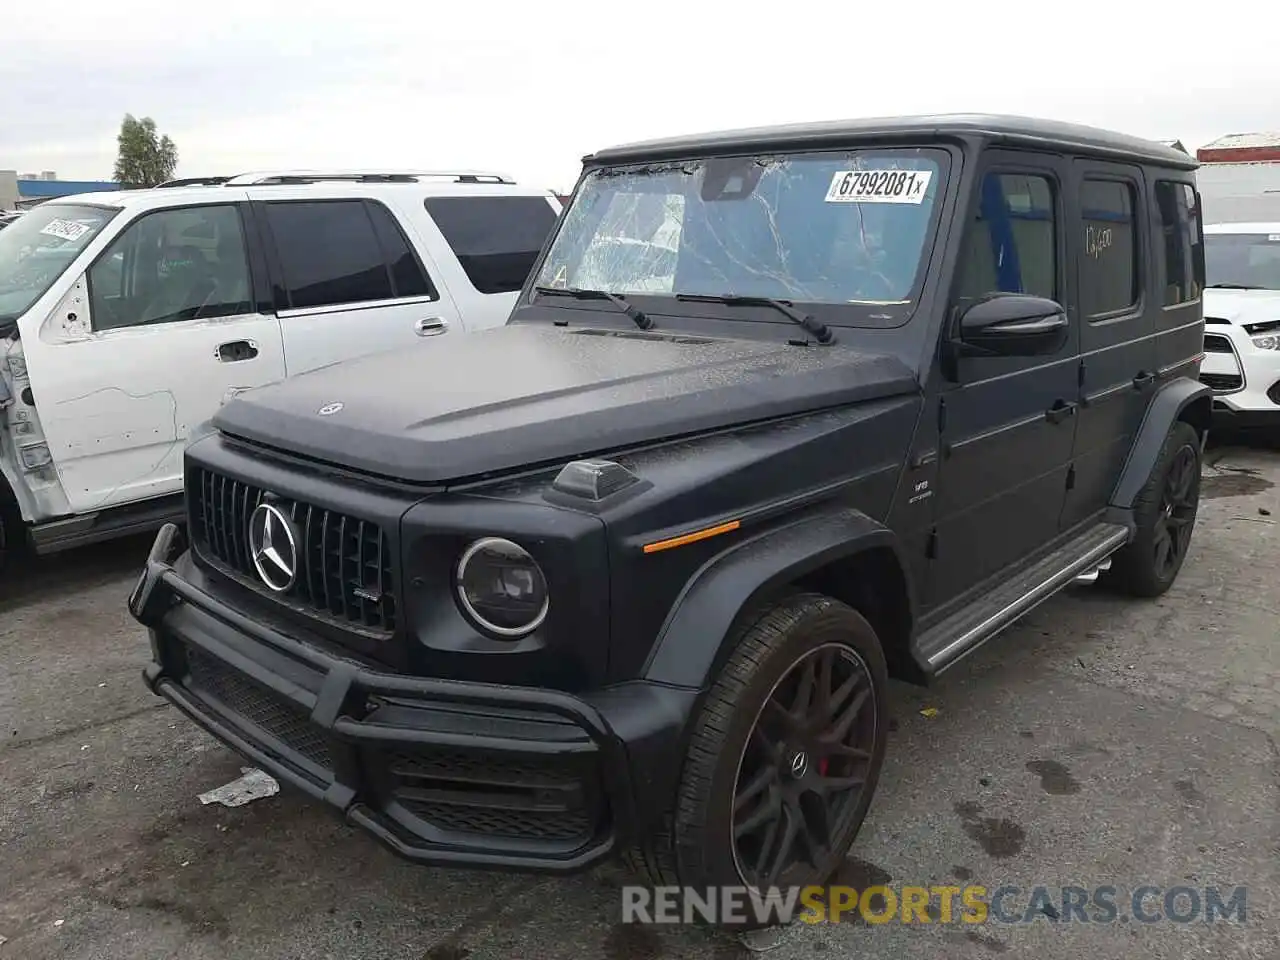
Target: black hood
(521, 395)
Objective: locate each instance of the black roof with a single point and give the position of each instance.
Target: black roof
(993, 128)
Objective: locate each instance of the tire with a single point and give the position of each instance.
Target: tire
(1165, 515)
(727, 754)
(11, 529)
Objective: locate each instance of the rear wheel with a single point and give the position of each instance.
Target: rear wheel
(10, 529)
(1165, 514)
(784, 757)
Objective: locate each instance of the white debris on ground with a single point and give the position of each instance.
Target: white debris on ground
(251, 785)
(770, 938)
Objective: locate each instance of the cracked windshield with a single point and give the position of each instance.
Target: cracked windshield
(828, 228)
(36, 248)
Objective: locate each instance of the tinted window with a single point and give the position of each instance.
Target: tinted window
(1109, 251)
(407, 275)
(1182, 243)
(496, 239)
(1012, 244)
(329, 253)
(172, 265)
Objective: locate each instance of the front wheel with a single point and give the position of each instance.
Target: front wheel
(784, 757)
(1165, 515)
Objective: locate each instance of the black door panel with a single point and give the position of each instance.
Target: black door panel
(1009, 423)
(1004, 475)
(1112, 260)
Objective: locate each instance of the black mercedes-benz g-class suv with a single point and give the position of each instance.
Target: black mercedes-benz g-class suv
(779, 413)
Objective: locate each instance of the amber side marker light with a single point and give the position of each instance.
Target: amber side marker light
(694, 537)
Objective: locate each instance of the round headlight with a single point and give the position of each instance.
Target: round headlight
(501, 587)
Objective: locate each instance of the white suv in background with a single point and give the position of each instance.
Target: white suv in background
(1242, 322)
(127, 318)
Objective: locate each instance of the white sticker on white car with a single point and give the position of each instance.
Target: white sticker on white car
(65, 229)
(879, 186)
(1273, 238)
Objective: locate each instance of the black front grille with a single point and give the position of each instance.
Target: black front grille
(264, 708)
(344, 562)
(506, 824)
(470, 793)
(1222, 381)
(1216, 343)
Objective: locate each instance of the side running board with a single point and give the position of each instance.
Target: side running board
(943, 644)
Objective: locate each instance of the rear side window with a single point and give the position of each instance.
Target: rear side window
(1109, 264)
(496, 239)
(341, 251)
(407, 276)
(1183, 244)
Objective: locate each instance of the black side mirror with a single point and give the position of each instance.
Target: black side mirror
(1013, 325)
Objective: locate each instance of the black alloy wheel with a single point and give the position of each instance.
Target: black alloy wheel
(1177, 510)
(783, 757)
(1164, 516)
(804, 767)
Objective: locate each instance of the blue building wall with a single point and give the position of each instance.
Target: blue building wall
(46, 189)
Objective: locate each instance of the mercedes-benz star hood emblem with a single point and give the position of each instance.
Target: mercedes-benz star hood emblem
(273, 546)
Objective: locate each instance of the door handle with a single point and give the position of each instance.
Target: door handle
(1059, 411)
(430, 326)
(1143, 380)
(236, 350)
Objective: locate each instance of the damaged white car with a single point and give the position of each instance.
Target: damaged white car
(127, 318)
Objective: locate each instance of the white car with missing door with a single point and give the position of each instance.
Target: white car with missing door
(127, 318)
(1242, 322)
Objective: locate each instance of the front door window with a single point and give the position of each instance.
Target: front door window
(170, 266)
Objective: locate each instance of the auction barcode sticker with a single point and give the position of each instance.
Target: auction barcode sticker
(879, 186)
(65, 229)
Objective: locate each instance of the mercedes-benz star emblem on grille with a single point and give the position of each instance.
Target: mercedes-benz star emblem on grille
(330, 408)
(273, 546)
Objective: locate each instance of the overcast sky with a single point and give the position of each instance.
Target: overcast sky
(528, 89)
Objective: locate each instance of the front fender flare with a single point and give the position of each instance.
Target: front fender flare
(1170, 404)
(692, 637)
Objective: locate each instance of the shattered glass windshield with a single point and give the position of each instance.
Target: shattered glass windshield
(829, 228)
(37, 247)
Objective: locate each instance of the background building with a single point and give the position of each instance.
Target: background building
(20, 191)
(1239, 178)
(1242, 148)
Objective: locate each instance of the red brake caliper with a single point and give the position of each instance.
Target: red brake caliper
(822, 767)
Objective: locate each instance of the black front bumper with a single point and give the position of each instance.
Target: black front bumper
(441, 771)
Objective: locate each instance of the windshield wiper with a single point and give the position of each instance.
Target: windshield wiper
(640, 319)
(1233, 286)
(821, 332)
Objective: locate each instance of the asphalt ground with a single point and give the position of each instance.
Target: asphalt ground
(1101, 742)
